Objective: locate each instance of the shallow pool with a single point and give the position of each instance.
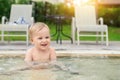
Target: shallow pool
(90, 68)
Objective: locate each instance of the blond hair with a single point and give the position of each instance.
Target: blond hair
(36, 27)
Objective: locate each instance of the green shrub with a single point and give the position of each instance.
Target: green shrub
(111, 15)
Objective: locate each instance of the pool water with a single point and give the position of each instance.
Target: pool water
(90, 68)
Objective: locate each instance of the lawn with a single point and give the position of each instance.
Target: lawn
(114, 33)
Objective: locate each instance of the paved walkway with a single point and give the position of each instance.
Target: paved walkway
(66, 47)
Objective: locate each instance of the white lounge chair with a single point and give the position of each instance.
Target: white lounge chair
(85, 21)
(20, 19)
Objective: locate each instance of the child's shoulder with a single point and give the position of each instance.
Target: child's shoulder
(30, 50)
(51, 48)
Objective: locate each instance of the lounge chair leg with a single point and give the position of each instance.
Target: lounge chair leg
(102, 37)
(107, 39)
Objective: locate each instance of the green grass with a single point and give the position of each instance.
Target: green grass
(114, 34)
(66, 31)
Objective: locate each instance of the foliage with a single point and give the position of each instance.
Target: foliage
(39, 11)
(22, 1)
(5, 6)
(47, 9)
(42, 9)
(111, 15)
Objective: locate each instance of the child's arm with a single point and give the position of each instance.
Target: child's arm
(28, 58)
(53, 56)
(59, 65)
(38, 65)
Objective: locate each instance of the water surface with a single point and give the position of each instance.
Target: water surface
(90, 68)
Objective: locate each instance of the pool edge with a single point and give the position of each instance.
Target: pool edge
(74, 53)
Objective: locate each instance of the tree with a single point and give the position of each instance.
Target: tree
(5, 6)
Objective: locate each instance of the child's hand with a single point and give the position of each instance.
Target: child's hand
(37, 65)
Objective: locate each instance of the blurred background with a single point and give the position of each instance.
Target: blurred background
(42, 8)
(108, 9)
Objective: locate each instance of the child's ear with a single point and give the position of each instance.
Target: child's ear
(31, 40)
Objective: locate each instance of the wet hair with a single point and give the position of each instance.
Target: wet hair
(36, 27)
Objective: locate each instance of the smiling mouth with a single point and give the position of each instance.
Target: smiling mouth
(43, 44)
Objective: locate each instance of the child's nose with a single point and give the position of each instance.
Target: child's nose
(44, 40)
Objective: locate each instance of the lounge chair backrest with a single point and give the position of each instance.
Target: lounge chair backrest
(85, 23)
(85, 15)
(18, 11)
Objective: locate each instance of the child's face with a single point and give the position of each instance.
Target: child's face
(41, 39)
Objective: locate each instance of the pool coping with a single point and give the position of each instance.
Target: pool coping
(67, 49)
(73, 53)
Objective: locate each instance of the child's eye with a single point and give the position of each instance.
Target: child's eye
(40, 38)
(47, 37)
